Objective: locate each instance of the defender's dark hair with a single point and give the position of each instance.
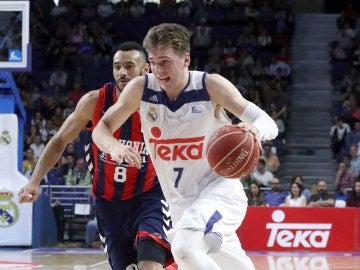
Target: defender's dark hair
(132, 45)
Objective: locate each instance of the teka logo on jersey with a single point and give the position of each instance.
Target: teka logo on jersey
(293, 235)
(177, 149)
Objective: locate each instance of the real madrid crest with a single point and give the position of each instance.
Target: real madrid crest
(152, 114)
(5, 138)
(9, 212)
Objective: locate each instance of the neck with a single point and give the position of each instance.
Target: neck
(173, 94)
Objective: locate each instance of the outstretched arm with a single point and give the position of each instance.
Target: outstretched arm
(69, 130)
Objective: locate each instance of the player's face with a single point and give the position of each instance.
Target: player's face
(126, 66)
(170, 68)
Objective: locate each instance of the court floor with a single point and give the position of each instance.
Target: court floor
(94, 259)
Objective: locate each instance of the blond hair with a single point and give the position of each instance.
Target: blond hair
(170, 35)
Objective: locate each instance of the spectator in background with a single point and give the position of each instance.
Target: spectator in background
(168, 10)
(137, 10)
(76, 93)
(304, 191)
(49, 106)
(246, 181)
(250, 11)
(343, 180)
(58, 117)
(338, 134)
(344, 40)
(215, 52)
(353, 138)
(336, 52)
(234, 12)
(353, 199)
(59, 10)
(354, 168)
(255, 196)
(295, 198)
(29, 162)
(55, 176)
(212, 65)
(323, 198)
(275, 196)
(69, 109)
(266, 12)
(58, 77)
(30, 137)
(348, 108)
(264, 40)
(271, 159)
(79, 175)
(183, 11)
(229, 58)
(56, 95)
(105, 9)
(78, 77)
(70, 150)
(67, 164)
(37, 146)
(202, 13)
(261, 175)
(38, 120)
(91, 230)
(276, 66)
(280, 139)
(347, 160)
(202, 37)
(122, 8)
(87, 49)
(48, 132)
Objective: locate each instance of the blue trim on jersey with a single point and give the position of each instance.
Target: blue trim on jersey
(188, 96)
(216, 216)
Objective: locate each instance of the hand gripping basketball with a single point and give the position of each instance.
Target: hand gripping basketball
(233, 151)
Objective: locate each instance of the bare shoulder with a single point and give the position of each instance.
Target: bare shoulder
(216, 82)
(90, 97)
(219, 88)
(214, 79)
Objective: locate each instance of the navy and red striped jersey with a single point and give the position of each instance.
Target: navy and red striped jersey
(113, 181)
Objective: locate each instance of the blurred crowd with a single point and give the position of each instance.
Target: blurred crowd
(265, 188)
(344, 52)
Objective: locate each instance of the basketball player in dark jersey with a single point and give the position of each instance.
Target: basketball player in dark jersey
(131, 211)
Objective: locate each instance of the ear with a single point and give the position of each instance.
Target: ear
(146, 69)
(187, 59)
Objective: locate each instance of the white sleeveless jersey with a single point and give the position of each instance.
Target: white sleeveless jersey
(176, 134)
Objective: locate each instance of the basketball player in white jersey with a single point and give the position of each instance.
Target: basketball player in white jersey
(179, 110)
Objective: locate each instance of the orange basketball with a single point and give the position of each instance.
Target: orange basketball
(232, 152)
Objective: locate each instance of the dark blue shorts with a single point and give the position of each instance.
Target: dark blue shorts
(125, 223)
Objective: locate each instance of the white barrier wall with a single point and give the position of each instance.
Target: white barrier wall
(15, 219)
